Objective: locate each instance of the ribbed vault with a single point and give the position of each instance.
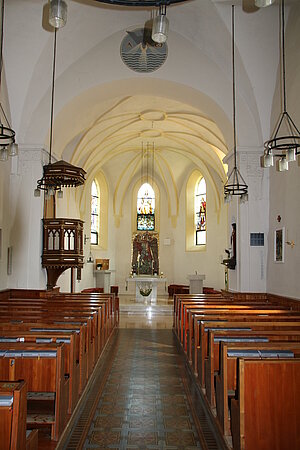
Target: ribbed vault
(183, 138)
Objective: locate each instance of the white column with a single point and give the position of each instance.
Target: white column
(250, 217)
(25, 213)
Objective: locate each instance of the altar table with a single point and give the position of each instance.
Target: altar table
(146, 286)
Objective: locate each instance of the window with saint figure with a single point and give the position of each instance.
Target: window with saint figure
(200, 212)
(146, 208)
(95, 213)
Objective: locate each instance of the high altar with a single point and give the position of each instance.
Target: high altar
(145, 265)
(146, 286)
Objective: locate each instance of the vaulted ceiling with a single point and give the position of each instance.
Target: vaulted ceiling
(105, 112)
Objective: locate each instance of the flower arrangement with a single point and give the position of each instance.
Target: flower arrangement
(145, 291)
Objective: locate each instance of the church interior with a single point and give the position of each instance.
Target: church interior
(149, 202)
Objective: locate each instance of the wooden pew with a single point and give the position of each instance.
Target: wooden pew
(111, 299)
(190, 307)
(104, 323)
(35, 295)
(202, 324)
(226, 381)
(243, 309)
(68, 311)
(215, 337)
(40, 316)
(46, 328)
(42, 367)
(23, 294)
(266, 412)
(13, 412)
(58, 317)
(57, 321)
(180, 298)
(192, 312)
(72, 365)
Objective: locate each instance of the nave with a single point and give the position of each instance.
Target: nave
(142, 396)
(106, 372)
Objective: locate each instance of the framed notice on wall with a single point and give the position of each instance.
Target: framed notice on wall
(279, 239)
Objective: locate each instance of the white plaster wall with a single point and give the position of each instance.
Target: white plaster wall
(4, 221)
(283, 278)
(250, 217)
(25, 226)
(204, 262)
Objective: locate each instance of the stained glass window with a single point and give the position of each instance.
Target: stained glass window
(95, 213)
(200, 212)
(146, 208)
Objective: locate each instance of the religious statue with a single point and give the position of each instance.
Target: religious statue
(145, 254)
(230, 262)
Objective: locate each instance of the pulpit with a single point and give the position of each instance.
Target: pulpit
(196, 283)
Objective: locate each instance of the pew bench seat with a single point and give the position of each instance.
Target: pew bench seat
(43, 369)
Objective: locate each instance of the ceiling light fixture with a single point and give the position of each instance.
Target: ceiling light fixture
(263, 3)
(61, 173)
(8, 146)
(284, 143)
(57, 13)
(141, 3)
(235, 184)
(160, 27)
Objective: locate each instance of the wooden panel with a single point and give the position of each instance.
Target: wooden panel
(40, 374)
(5, 426)
(272, 409)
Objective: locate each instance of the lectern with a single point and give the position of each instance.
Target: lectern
(196, 283)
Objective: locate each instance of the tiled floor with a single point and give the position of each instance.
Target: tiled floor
(158, 315)
(144, 404)
(141, 397)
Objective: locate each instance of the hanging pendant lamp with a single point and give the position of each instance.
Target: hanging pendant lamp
(284, 143)
(141, 3)
(61, 173)
(57, 13)
(235, 184)
(263, 3)
(160, 27)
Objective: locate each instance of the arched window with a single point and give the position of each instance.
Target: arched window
(200, 212)
(146, 208)
(95, 213)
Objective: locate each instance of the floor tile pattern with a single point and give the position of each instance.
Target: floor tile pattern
(143, 404)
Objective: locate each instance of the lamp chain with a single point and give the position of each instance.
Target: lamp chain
(283, 56)
(52, 95)
(1, 59)
(1, 44)
(233, 90)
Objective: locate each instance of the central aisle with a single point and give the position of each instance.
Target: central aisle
(141, 397)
